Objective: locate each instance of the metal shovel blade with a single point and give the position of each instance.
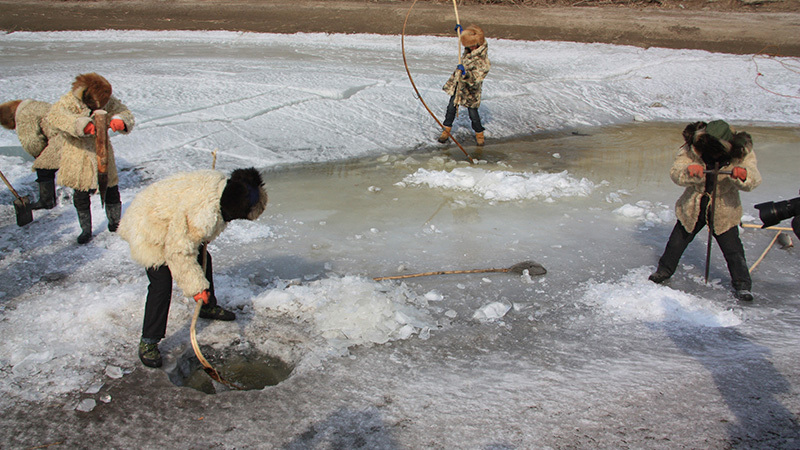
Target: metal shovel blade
(22, 207)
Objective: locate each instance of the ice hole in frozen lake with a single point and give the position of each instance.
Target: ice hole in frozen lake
(247, 369)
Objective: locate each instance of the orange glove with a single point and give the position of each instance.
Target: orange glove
(88, 129)
(695, 170)
(117, 125)
(739, 172)
(203, 295)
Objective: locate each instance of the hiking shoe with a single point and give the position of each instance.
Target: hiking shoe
(659, 276)
(744, 295)
(216, 313)
(150, 355)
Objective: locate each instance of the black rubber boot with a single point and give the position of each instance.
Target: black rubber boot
(113, 212)
(47, 195)
(85, 220)
(659, 276)
(216, 313)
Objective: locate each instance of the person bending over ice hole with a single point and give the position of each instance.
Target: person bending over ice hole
(71, 117)
(166, 226)
(705, 145)
(27, 117)
(465, 84)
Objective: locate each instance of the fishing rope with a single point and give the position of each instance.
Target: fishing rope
(413, 85)
(773, 57)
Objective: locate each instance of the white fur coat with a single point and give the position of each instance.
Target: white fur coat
(34, 131)
(169, 220)
(78, 160)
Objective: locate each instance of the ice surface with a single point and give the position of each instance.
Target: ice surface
(357, 190)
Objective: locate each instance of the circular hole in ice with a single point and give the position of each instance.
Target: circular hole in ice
(246, 369)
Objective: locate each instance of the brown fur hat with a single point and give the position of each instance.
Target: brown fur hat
(8, 114)
(92, 89)
(472, 36)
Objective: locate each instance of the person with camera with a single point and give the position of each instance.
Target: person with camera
(710, 146)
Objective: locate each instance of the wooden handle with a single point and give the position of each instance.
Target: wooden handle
(10, 187)
(101, 140)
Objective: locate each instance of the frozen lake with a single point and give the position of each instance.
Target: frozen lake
(590, 355)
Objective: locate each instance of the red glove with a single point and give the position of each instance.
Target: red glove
(203, 295)
(88, 129)
(117, 125)
(739, 172)
(695, 170)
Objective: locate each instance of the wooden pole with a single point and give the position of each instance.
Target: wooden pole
(710, 215)
(100, 118)
(413, 85)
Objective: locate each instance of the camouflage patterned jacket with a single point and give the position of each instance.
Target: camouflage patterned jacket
(467, 88)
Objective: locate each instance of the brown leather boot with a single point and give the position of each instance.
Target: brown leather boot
(444, 136)
(479, 138)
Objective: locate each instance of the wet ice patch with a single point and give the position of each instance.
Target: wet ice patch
(502, 185)
(351, 311)
(635, 298)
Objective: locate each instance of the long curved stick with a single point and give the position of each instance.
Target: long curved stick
(210, 370)
(458, 31)
(419, 96)
(519, 268)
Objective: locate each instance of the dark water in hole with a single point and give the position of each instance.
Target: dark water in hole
(247, 369)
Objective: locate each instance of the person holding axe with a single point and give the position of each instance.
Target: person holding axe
(167, 226)
(73, 119)
(466, 83)
(714, 164)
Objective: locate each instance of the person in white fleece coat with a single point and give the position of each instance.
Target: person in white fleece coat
(27, 117)
(166, 226)
(74, 141)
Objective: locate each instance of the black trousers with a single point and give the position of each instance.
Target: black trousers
(450, 116)
(159, 296)
(83, 199)
(43, 175)
(729, 243)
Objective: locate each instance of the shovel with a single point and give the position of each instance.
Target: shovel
(22, 205)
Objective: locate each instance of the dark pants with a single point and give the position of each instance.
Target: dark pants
(450, 116)
(729, 243)
(43, 175)
(83, 199)
(159, 295)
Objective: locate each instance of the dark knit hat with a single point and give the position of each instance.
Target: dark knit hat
(244, 196)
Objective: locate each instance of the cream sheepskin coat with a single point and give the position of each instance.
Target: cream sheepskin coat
(169, 220)
(467, 89)
(34, 131)
(78, 160)
(728, 209)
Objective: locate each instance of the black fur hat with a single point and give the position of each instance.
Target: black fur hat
(716, 142)
(244, 196)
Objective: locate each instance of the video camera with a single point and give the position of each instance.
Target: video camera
(771, 213)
